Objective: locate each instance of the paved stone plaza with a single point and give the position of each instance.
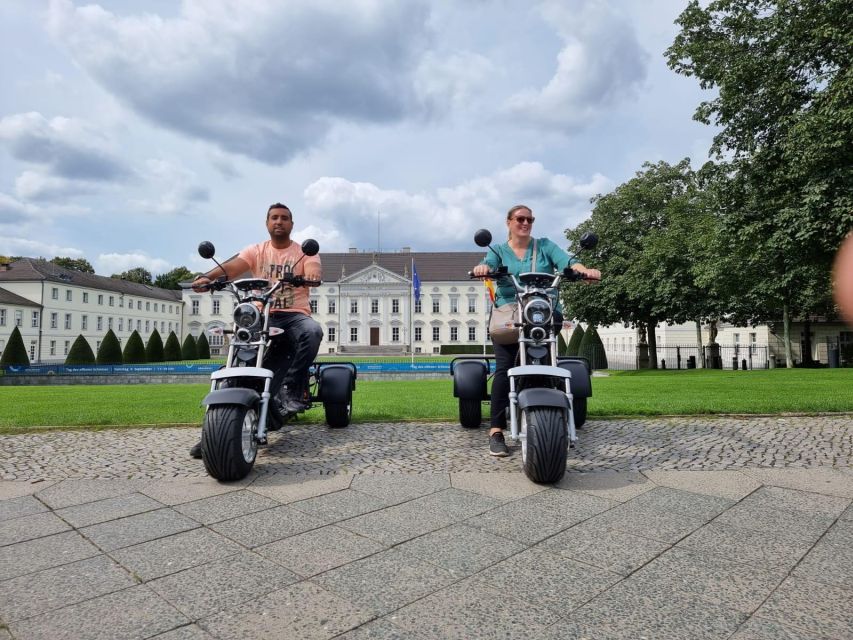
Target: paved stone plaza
(726, 528)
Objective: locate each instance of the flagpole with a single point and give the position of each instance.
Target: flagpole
(411, 316)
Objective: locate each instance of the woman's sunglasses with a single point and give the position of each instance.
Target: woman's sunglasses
(523, 219)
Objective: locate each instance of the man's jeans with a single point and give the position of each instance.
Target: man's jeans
(292, 353)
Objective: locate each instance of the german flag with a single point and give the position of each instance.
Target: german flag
(490, 286)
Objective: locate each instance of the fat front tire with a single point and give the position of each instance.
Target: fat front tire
(579, 411)
(338, 414)
(546, 445)
(470, 413)
(228, 445)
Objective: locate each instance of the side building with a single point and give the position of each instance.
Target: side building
(366, 303)
(52, 305)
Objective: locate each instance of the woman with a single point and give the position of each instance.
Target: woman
(516, 254)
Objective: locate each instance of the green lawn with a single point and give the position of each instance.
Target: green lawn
(622, 393)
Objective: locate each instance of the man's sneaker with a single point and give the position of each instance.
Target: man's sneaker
(195, 450)
(497, 445)
(293, 407)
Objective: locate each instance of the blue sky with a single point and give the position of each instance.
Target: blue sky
(130, 130)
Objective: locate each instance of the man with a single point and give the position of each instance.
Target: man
(290, 309)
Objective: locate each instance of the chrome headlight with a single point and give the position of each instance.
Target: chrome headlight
(246, 315)
(537, 312)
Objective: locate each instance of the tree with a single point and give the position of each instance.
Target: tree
(592, 348)
(189, 350)
(134, 350)
(80, 352)
(784, 107)
(575, 340)
(75, 264)
(172, 349)
(154, 348)
(203, 347)
(15, 353)
(172, 279)
(139, 274)
(110, 350)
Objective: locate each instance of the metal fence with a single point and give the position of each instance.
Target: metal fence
(683, 357)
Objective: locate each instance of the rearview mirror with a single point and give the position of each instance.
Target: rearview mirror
(206, 250)
(588, 240)
(483, 238)
(310, 247)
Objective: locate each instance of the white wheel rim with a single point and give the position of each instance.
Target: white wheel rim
(523, 436)
(247, 435)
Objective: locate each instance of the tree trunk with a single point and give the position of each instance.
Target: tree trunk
(699, 342)
(653, 344)
(786, 336)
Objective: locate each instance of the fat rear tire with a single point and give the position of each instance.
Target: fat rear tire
(546, 443)
(338, 414)
(470, 413)
(228, 445)
(579, 411)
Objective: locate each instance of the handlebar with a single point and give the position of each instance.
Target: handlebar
(568, 274)
(296, 281)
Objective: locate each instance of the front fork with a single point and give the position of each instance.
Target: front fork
(514, 428)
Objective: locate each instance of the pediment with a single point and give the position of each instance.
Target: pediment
(374, 274)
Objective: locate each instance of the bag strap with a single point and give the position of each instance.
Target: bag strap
(533, 257)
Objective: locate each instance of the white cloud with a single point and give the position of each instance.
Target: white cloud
(600, 65)
(178, 189)
(449, 82)
(13, 210)
(261, 78)
(41, 185)
(110, 263)
(447, 218)
(11, 246)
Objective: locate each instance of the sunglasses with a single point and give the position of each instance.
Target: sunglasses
(524, 219)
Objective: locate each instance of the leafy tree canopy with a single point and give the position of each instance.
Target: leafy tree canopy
(75, 264)
(139, 274)
(171, 279)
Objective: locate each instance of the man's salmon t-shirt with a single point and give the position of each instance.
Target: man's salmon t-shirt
(265, 261)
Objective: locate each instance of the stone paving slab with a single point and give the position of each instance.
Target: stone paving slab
(661, 529)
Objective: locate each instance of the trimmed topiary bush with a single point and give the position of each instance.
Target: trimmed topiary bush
(562, 347)
(134, 350)
(592, 349)
(189, 350)
(81, 352)
(172, 348)
(203, 347)
(572, 349)
(110, 350)
(15, 353)
(154, 348)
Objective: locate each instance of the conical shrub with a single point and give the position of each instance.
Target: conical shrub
(15, 353)
(134, 350)
(81, 352)
(172, 348)
(562, 347)
(203, 347)
(154, 348)
(592, 349)
(189, 350)
(110, 350)
(575, 341)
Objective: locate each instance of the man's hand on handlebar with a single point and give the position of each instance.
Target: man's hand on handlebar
(201, 284)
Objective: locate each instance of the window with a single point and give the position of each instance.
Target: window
(170, 308)
(68, 297)
(332, 334)
(67, 320)
(436, 305)
(312, 304)
(36, 318)
(436, 334)
(472, 304)
(54, 320)
(121, 324)
(86, 297)
(472, 334)
(97, 346)
(2, 317)
(84, 322)
(138, 325)
(162, 326)
(374, 306)
(216, 302)
(353, 334)
(100, 323)
(353, 306)
(395, 334)
(54, 293)
(156, 307)
(194, 309)
(417, 306)
(454, 305)
(332, 306)
(454, 334)
(753, 338)
(148, 306)
(112, 301)
(418, 334)
(110, 323)
(121, 301)
(100, 298)
(53, 347)
(395, 305)
(32, 350)
(147, 326)
(737, 338)
(19, 318)
(67, 347)
(139, 305)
